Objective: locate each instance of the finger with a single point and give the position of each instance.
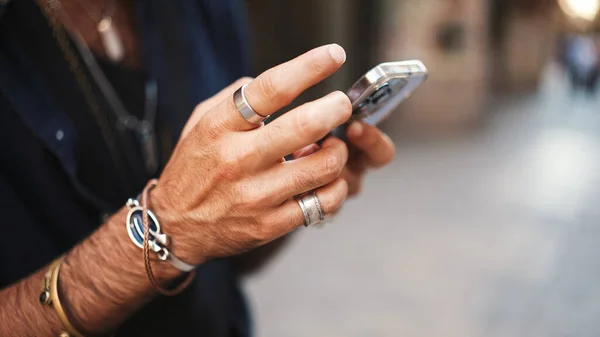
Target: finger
(279, 86)
(358, 162)
(306, 151)
(331, 197)
(354, 181)
(300, 127)
(376, 145)
(210, 103)
(295, 177)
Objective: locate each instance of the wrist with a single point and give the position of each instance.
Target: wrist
(107, 265)
(133, 254)
(173, 223)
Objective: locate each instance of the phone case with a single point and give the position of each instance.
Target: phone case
(379, 92)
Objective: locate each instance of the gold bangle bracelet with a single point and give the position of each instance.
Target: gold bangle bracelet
(45, 298)
(49, 296)
(56, 303)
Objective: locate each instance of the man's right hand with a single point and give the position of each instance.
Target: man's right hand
(226, 188)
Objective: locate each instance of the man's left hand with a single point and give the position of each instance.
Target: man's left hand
(368, 148)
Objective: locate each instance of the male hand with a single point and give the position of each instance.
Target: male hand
(226, 189)
(368, 148)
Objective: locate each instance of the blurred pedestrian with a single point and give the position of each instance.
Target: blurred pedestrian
(583, 63)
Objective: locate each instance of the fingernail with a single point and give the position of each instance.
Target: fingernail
(337, 53)
(356, 130)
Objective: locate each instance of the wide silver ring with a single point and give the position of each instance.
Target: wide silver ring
(241, 103)
(311, 208)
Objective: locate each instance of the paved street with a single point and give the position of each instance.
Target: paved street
(494, 233)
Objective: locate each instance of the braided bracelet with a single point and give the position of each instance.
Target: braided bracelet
(145, 232)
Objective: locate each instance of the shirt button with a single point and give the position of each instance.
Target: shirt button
(60, 134)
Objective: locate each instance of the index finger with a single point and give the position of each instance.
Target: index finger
(279, 86)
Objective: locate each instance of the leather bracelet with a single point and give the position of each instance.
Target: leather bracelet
(50, 296)
(146, 248)
(157, 240)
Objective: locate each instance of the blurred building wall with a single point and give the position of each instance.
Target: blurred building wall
(285, 29)
(470, 53)
(524, 45)
(374, 31)
(450, 37)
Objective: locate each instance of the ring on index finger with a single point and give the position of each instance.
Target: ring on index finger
(241, 103)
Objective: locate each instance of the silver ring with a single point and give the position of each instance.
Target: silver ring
(311, 208)
(241, 103)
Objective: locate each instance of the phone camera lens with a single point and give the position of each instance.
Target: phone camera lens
(381, 95)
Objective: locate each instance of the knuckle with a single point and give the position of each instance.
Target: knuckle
(339, 150)
(269, 87)
(255, 199)
(271, 135)
(229, 166)
(303, 178)
(247, 158)
(269, 220)
(244, 199)
(263, 230)
(252, 234)
(256, 151)
(209, 128)
(279, 223)
(214, 123)
(332, 166)
(304, 126)
(227, 172)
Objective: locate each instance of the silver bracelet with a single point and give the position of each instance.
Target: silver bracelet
(157, 241)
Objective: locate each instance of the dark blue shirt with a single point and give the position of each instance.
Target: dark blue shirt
(193, 49)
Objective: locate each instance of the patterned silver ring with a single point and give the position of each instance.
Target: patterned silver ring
(241, 103)
(311, 208)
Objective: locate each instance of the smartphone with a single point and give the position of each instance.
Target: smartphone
(379, 92)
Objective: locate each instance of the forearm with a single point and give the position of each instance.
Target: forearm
(102, 281)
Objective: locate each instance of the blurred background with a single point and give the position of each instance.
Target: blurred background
(488, 221)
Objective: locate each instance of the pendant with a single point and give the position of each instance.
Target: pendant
(112, 42)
